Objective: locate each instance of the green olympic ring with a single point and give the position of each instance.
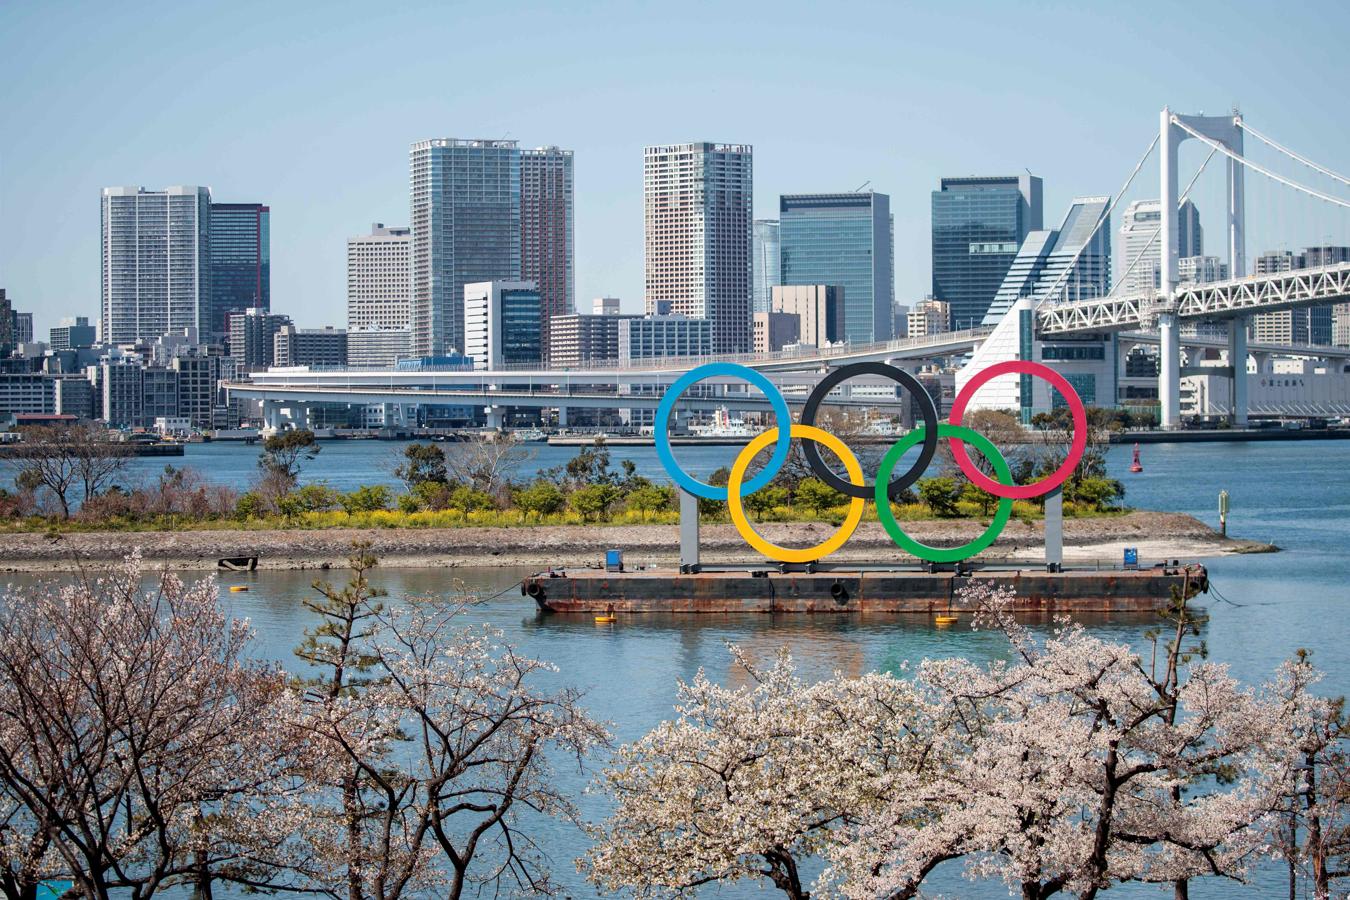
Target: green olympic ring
(942, 554)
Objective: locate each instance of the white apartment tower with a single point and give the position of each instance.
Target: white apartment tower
(156, 261)
(698, 218)
(1140, 240)
(379, 279)
(379, 297)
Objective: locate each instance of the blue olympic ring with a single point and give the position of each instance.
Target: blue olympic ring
(731, 370)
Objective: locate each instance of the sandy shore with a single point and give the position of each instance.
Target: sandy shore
(1156, 535)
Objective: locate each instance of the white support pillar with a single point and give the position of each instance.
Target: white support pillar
(271, 410)
(1169, 371)
(1169, 139)
(562, 417)
(1054, 529)
(1237, 209)
(1237, 361)
(495, 418)
(689, 561)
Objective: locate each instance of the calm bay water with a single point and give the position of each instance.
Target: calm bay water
(1295, 495)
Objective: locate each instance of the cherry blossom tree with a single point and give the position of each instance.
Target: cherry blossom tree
(750, 783)
(1072, 766)
(433, 744)
(1312, 833)
(134, 734)
(1075, 766)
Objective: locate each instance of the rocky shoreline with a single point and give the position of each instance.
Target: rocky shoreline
(1157, 536)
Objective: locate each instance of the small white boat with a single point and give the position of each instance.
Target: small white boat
(723, 426)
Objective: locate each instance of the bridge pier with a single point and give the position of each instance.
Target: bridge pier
(271, 412)
(562, 417)
(495, 418)
(1169, 371)
(1237, 361)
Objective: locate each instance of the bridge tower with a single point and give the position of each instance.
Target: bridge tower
(1225, 130)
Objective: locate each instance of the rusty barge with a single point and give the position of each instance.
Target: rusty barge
(844, 590)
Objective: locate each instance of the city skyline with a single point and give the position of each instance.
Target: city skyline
(53, 164)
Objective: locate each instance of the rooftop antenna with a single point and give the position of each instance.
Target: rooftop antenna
(861, 186)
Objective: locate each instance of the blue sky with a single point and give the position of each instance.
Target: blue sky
(311, 107)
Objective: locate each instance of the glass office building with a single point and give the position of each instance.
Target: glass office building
(465, 229)
(767, 264)
(978, 225)
(503, 324)
(842, 239)
(240, 262)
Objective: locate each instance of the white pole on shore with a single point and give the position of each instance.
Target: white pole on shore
(1054, 530)
(688, 531)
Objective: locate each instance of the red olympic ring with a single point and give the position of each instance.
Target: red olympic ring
(1076, 449)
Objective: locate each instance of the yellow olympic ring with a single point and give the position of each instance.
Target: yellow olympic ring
(788, 554)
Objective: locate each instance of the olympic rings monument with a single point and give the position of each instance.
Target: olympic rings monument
(804, 580)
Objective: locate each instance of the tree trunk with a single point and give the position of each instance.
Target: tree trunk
(354, 891)
(783, 873)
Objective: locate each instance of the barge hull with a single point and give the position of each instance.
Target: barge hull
(896, 592)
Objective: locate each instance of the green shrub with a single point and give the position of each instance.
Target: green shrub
(543, 498)
(940, 495)
(316, 498)
(369, 498)
(593, 501)
(649, 499)
(467, 499)
(248, 507)
(765, 501)
(816, 495)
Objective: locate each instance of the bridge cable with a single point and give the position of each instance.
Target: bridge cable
(1154, 236)
(1259, 168)
(1104, 217)
(1290, 153)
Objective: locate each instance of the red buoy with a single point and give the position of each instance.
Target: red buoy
(1136, 466)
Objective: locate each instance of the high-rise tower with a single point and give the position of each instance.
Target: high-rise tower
(978, 225)
(156, 262)
(241, 261)
(1141, 249)
(767, 264)
(465, 229)
(546, 247)
(699, 202)
(842, 239)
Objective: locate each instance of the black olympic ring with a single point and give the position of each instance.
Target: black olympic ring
(926, 411)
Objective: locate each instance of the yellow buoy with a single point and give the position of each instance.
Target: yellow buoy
(945, 620)
(238, 588)
(605, 620)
